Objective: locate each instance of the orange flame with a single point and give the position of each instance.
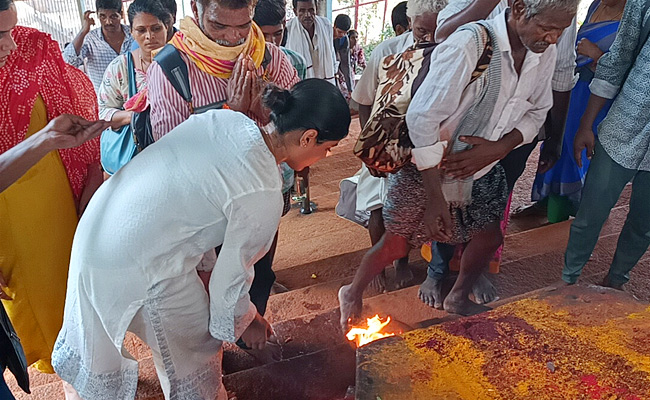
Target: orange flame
(369, 333)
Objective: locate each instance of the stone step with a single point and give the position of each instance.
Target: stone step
(321, 375)
(317, 331)
(327, 372)
(316, 266)
(520, 248)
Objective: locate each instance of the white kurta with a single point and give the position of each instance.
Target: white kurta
(211, 181)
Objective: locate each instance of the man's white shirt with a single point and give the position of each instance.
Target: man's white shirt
(564, 77)
(444, 96)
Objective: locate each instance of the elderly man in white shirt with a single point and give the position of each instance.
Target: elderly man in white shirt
(416, 211)
(457, 13)
(312, 37)
(371, 191)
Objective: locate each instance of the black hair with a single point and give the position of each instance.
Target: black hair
(170, 5)
(295, 4)
(311, 104)
(230, 4)
(352, 32)
(153, 7)
(343, 22)
(398, 16)
(4, 4)
(270, 12)
(108, 5)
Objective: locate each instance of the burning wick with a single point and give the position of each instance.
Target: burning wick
(369, 333)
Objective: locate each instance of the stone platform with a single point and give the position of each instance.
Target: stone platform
(576, 342)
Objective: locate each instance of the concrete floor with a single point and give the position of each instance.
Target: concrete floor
(318, 252)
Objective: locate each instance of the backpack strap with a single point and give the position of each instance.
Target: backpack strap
(484, 59)
(175, 70)
(266, 61)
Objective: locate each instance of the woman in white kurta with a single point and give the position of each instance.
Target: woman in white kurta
(214, 180)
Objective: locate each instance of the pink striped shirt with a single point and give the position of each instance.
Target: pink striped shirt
(168, 109)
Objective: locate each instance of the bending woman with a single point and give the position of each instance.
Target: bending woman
(212, 181)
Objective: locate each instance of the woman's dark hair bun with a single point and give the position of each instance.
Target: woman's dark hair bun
(277, 99)
(311, 104)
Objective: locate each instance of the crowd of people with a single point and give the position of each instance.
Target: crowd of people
(145, 196)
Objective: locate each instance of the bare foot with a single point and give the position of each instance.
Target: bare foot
(350, 307)
(403, 274)
(278, 288)
(379, 282)
(484, 291)
(431, 292)
(462, 306)
(609, 284)
(272, 352)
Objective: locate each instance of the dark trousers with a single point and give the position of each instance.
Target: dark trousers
(514, 165)
(604, 183)
(260, 290)
(5, 393)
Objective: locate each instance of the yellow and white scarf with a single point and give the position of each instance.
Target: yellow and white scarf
(215, 59)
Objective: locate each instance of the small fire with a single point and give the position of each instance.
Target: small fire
(369, 333)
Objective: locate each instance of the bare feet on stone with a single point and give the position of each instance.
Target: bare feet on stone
(463, 306)
(403, 274)
(350, 307)
(272, 352)
(607, 283)
(484, 291)
(430, 292)
(379, 282)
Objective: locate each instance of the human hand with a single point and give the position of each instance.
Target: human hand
(240, 85)
(585, 139)
(549, 155)
(589, 49)
(257, 333)
(437, 220)
(257, 107)
(67, 131)
(465, 164)
(3, 285)
(121, 118)
(87, 22)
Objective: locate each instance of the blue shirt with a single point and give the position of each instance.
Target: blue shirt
(97, 53)
(625, 132)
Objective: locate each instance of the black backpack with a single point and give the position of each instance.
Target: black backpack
(175, 70)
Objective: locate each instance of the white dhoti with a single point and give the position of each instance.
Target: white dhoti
(359, 195)
(371, 191)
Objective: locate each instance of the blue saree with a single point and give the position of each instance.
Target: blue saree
(566, 178)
